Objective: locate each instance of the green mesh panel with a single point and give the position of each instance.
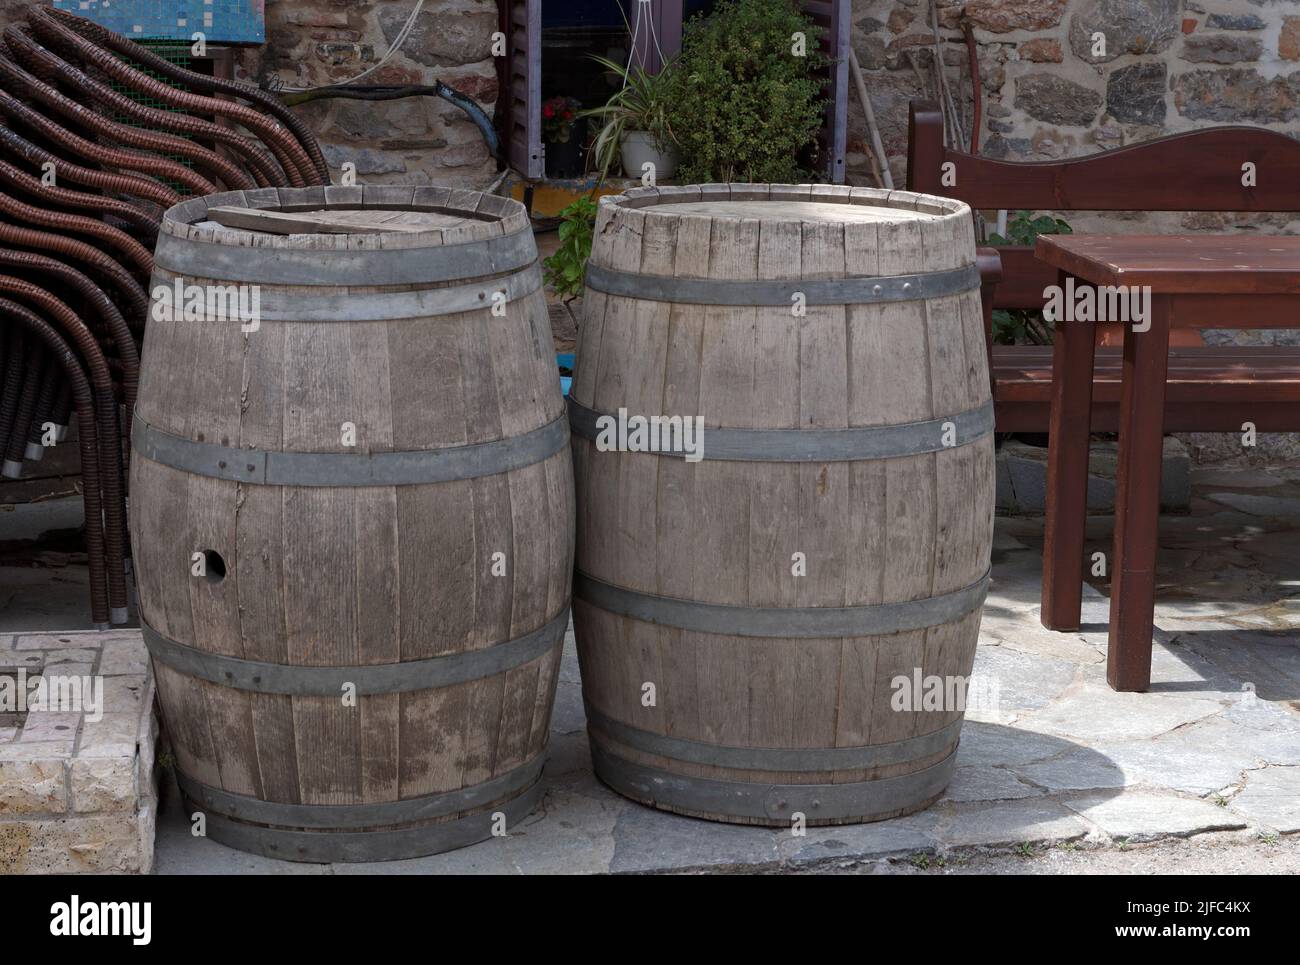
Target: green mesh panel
(175, 53)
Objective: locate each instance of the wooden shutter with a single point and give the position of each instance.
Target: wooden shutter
(523, 89)
(833, 17)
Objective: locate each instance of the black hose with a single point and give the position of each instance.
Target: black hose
(50, 387)
(364, 92)
(79, 390)
(16, 446)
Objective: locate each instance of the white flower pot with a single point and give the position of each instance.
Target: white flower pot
(638, 147)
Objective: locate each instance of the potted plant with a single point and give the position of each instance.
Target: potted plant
(560, 122)
(635, 127)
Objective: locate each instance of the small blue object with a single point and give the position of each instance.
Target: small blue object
(565, 361)
(220, 21)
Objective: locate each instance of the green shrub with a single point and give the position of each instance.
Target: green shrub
(1017, 326)
(565, 269)
(1023, 229)
(743, 105)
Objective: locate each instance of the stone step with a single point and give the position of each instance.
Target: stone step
(1022, 477)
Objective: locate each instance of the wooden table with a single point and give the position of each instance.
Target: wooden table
(1197, 281)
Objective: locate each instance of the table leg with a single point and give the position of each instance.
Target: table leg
(1067, 473)
(1137, 501)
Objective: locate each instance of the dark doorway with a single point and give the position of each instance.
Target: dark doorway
(571, 32)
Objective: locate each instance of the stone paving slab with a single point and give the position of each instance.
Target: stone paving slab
(1140, 815)
(988, 784)
(1271, 798)
(988, 745)
(1025, 681)
(1259, 505)
(650, 840)
(1022, 476)
(1091, 712)
(901, 836)
(1042, 821)
(1077, 769)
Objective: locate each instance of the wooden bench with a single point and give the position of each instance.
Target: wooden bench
(1210, 389)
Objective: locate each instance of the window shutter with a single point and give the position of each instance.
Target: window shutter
(833, 17)
(523, 92)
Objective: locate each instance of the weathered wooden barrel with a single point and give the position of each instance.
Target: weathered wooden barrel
(753, 613)
(352, 519)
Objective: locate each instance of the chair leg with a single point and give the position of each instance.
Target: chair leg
(990, 268)
(1137, 501)
(1067, 474)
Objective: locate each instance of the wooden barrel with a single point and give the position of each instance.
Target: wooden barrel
(352, 520)
(752, 615)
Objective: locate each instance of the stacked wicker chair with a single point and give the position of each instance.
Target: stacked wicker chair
(86, 172)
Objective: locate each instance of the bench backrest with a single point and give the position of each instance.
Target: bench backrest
(1201, 170)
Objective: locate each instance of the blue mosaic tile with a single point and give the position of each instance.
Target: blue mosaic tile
(220, 21)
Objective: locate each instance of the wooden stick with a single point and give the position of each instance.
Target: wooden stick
(871, 156)
(311, 222)
(935, 91)
(883, 175)
(875, 167)
(958, 131)
(910, 54)
(976, 84)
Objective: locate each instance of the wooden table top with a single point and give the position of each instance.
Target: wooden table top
(1174, 264)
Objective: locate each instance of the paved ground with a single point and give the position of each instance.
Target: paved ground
(1202, 773)
(1222, 853)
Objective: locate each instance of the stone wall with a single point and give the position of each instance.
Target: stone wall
(412, 141)
(1168, 66)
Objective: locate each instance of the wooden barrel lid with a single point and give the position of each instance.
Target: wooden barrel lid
(348, 218)
(787, 202)
(791, 211)
(334, 221)
(349, 236)
(743, 225)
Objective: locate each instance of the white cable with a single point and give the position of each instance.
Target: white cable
(393, 48)
(643, 13)
(631, 56)
(654, 34)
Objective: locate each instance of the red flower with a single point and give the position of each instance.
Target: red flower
(548, 111)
